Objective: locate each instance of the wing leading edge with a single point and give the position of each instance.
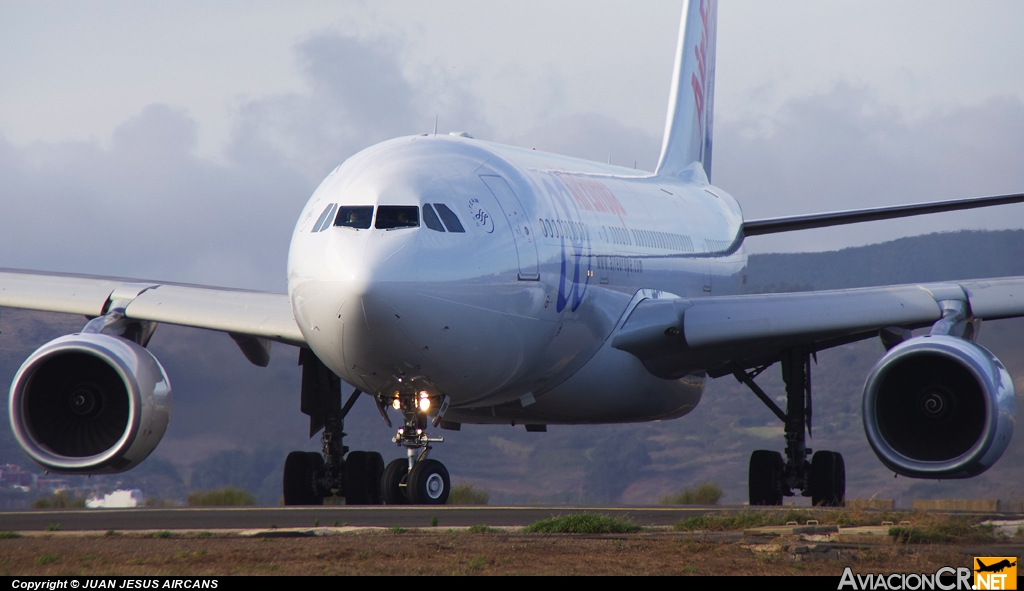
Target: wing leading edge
(245, 315)
(675, 337)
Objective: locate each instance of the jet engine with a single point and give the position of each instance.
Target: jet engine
(939, 407)
(90, 404)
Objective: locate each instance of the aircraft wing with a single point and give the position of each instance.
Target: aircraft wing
(242, 314)
(674, 337)
(856, 216)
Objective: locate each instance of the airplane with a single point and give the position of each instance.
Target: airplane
(454, 280)
(996, 566)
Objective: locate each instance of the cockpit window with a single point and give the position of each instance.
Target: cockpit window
(354, 216)
(326, 215)
(451, 221)
(397, 216)
(430, 218)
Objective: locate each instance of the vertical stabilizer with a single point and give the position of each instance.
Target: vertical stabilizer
(691, 104)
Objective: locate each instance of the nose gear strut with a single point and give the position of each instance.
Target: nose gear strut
(415, 478)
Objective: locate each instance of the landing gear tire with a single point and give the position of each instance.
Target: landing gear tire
(376, 471)
(396, 472)
(300, 472)
(362, 478)
(828, 479)
(764, 478)
(429, 483)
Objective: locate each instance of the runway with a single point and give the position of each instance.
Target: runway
(217, 518)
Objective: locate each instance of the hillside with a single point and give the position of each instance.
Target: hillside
(233, 423)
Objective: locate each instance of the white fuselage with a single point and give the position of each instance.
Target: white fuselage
(511, 318)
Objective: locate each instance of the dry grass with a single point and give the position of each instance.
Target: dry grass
(224, 497)
(844, 517)
(908, 527)
(439, 552)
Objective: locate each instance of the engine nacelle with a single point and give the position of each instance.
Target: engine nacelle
(90, 404)
(939, 407)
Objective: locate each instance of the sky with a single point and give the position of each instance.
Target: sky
(179, 141)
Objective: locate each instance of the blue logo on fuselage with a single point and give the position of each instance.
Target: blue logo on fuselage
(575, 293)
(577, 254)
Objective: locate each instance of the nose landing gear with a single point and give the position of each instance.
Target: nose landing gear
(416, 479)
(361, 477)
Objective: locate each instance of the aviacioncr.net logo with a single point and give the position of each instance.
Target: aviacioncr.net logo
(946, 578)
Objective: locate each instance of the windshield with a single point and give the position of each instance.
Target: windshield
(397, 216)
(354, 216)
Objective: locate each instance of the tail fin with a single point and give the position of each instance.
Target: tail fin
(691, 104)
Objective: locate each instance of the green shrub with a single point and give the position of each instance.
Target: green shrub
(224, 497)
(583, 523)
(60, 500)
(706, 493)
(7, 535)
(465, 494)
(481, 529)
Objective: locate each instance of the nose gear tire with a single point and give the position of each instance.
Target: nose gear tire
(429, 483)
(395, 474)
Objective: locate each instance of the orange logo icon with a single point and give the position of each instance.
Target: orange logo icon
(995, 572)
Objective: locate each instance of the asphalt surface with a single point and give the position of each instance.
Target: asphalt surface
(289, 517)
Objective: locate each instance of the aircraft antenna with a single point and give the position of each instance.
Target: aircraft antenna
(435, 125)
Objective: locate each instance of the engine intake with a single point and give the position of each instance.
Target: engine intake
(90, 403)
(939, 407)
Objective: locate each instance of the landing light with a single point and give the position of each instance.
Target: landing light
(396, 404)
(424, 404)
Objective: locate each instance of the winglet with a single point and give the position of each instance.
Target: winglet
(691, 104)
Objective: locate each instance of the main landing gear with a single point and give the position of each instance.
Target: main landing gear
(360, 476)
(310, 477)
(771, 477)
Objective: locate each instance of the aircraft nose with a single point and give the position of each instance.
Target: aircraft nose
(374, 290)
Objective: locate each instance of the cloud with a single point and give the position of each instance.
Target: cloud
(845, 149)
(144, 207)
(594, 137)
(148, 206)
